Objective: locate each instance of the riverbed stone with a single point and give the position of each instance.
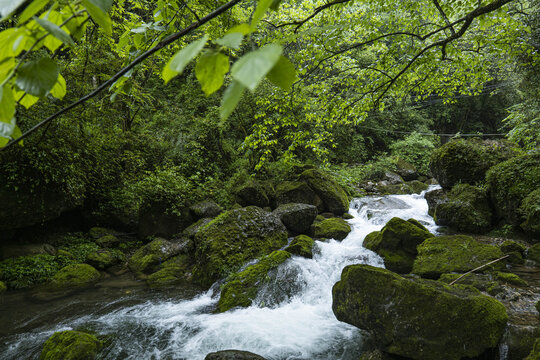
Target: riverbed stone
(232, 239)
(326, 187)
(297, 217)
(396, 243)
(301, 245)
(418, 318)
(406, 170)
(241, 288)
(74, 276)
(454, 253)
(148, 258)
(332, 228)
(71, 345)
(108, 241)
(233, 355)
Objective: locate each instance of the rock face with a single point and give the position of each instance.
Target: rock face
(233, 238)
(435, 198)
(302, 245)
(71, 345)
(233, 355)
(467, 209)
(252, 193)
(297, 217)
(149, 257)
(241, 288)
(456, 253)
(466, 161)
(205, 209)
(74, 276)
(510, 183)
(334, 198)
(418, 318)
(406, 170)
(396, 243)
(297, 192)
(332, 228)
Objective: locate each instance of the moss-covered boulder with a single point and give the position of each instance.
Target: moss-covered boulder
(108, 241)
(515, 251)
(103, 259)
(233, 238)
(530, 211)
(535, 352)
(326, 187)
(71, 345)
(74, 276)
(233, 355)
(396, 243)
(435, 198)
(148, 258)
(205, 209)
(510, 278)
(466, 161)
(533, 253)
(406, 170)
(173, 271)
(467, 209)
(241, 288)
(3, 287)
(332, 228)
(416, 186)
(483, 282)
(297, 192)
(252, 192)
(510, 183)
(297, 217)
(454, 253)
(192, 229)
(418, 318)
(302, 245)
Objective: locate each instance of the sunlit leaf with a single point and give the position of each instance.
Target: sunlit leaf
(178, 62)
(243, 29)
(232, 40)
(56, 31)
(32, 9)
(25, 99)
(7, 104)
(59, 89)
(37, 77)
(210, 70)
(96, 10)
(251, 68)
(262, 8)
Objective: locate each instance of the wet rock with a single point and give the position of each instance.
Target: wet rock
(326, 187)
(482, 282)
(519, 340)
(467, 210)
(148, 258)
(455, 253)
(98, 232)
(192, 230)
(74, 276)
(510, 278)
(297, 217)
(173, 271)
(333, 228)
(103, 259)
(241, 288)
(396, 243)
(252, 193)
(205, 209)
(378, 355)
(418, 318)
(297, 192)
(233, 355)
(416, 186)
(302, 245)
(71, 345)
(233, 238)
(435, 198)
(392, 178)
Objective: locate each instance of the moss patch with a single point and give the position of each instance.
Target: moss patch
(103, 259)
(533, 253)
(27, 271)
(74, 276)
(302, 245)
(149, 258)
(510, 278)
(333, 228)
(71, 345)
(327, 188)
(173, 271)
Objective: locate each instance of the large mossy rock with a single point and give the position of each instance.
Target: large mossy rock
(173, 271)
(241, 288)
(103, 259)
(467, 210)
(435, 198)
(205, 209)
(233, 355)
(334, 198)
(297, 217)
(74, 276)
(252, 192)
(332, 228)
(148, 258)
(418, 318)
(233, 238)
(454, 253)
(530, 211)
(466, 161)
(302, 245)
(71, 345)
(510, 183)
(396, 243)
(297, 192)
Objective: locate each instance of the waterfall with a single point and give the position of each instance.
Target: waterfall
(291, 318)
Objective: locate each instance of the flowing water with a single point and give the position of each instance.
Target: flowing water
(292, 317)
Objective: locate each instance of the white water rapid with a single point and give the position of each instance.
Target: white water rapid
(291, 319)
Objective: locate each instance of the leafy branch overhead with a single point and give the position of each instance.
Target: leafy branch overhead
(351, 54)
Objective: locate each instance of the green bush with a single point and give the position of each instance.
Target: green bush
(416, 149)
(26, 271)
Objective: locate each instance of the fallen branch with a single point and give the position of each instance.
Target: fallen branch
(478, 268)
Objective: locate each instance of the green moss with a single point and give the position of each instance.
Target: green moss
(333, 228)
(418, 318)
(74, 276)
(327, 188)
(108, 241)
(416, 186)
(510, 278)
(241, 288)
(71, 345)
(511, 182)
(103, 259)
(530, 210)
(347, 216)
(27, 271)
(301, 245)
(482, 282)
(252, 193)
(232, 239)
(173, 271)
(149, 257)
(467, 210)
(3, 287)
(533, 253)
(510, 246)
(535, 352)
(99, 232)
(297, 192)
(458, 253)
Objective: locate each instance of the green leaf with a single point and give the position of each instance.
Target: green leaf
(275, 4)
(243, 29)
(7, 104)
(230, 99)
(6, 66)
(8, 6)
(251, 68)
(56, 31)
(178, 62)
(262, 8)
(37, 77)
(25, 99)
(283, 74)
(96, 10)
(103, 5)
(232, 40)
(7, 128)
(32, 9)
(59, 89)
(210, 70)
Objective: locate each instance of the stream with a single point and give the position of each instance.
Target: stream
(292, 317)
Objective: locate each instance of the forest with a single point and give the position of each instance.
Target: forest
(211, 160)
